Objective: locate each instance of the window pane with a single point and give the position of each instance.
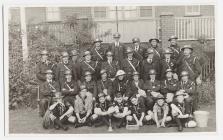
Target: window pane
(100, 12)
(189, 9)
(146, 11)
(52, 14)
(195, 8)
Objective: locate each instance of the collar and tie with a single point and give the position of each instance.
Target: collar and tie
(168, 60)
(136, 48)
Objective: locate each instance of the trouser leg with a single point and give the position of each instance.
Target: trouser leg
(59, 123)
(179, 124)
(188, 105)
(43, 106)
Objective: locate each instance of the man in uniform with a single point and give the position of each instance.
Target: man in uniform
(110, 65)
(90, 84)
(157, 50)
(120, 84)
(75, 65)
(42, 67)
(169, 86)
(174, 47)
(117, 48)
(62, 67)
(139, 50)
(47, 90)
(98, 53)
(104, 85)
(130, 64)
(69, 88)
(149, 63)
(188, 88)
(168, 63)
(88, 65)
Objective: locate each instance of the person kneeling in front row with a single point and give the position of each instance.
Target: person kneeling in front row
(180, 113)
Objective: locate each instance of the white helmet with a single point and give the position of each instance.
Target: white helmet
(120, 72)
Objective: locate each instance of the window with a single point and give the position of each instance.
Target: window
(192, 10)
(130, 12)
(100, 12)
(52, 14)
(146, 11)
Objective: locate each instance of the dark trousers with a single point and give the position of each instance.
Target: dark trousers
(43, 105)
(148, 102)
(88, 120)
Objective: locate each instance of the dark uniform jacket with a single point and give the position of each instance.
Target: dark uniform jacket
(133, 89)
(137, 109)
(120, 86)
(126, 66)
(76, 70)
(111, 68)
(191, 65)
(150, 86)
(118, 51)
(66, 86)
(46, 89)
(89, 66)
(121, 105)
(169, 86)
(41, 70)
(98, 55)
(140, 53)
(147, 66)
(91, 87)
(177, 53)
(61, 68)
(189, 87)
(158, 52)
(164, 65)
(103, 106)
(101, 85)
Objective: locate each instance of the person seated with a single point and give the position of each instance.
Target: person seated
(137, 116)
(69, 88)
(120, 84)
(180, 112)
(121, 110)
(59, 113)
(90, 84)
(169, 86)
(160, 112)
(103, 111)
(47, 91)
(83, 106)
(104, 85)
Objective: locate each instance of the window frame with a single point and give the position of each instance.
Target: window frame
(50, 12)
(100, 18)
(192, 13)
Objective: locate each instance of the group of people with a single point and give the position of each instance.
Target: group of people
(120, 84)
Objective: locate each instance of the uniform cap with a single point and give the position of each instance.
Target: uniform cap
(135, 39)
(184, 73)
(168, 51)
(109, 53)
(44, 52)
(129, 50)
(152, 72)
(101, 95)
(169, 70)
(86, 53)
(65, 54)
(67, 72)
(149, 51)
(154, 38)
(74, 52)
(116, 35)
(82, 86)
(119, 73)
(172, 37)
(98, 40)
(187, 46)
(103, 71)
(135, 73)
(49, 72)
(160, 96)
(87, 73)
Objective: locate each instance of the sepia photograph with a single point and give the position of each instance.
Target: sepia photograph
(110, 69)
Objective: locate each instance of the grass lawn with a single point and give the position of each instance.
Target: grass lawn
(27, 121)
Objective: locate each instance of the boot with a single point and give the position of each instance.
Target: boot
(58, 122)
(180, 127)
(122, 123)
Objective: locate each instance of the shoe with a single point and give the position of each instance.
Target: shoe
(65, 128)
(180, 128)
(57, 127)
